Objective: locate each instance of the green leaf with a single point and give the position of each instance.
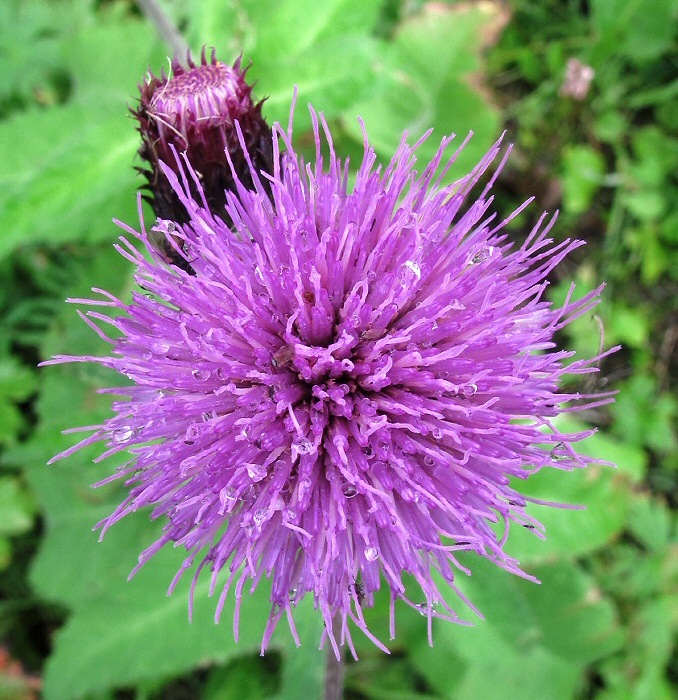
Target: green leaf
(533, 636)
(534, 643)
(133, 632)
(324, 49)
(17, 382)
(583, 170)
(428, 78)
(643, 416)
(637, 29)
(72, 166)
(603, 491)
(108, 60)
(69, 179)
(16, 507)
(331, 76)
(650, 522)
(241, 679)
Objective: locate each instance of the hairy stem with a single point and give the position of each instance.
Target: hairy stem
(334, 675)
(164, 25)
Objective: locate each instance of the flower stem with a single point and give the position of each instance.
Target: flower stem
(166, 29)
(334, 675)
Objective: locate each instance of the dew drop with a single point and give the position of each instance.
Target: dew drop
(371, 553)
(482, 255)
(256, 471)
(292, 595)
(303, 446)
(260, 516)
(192, 434)
(258, 274)
(160, 347)
(470, 389)
(425, 609)
(228, 496)
(429, 461)
(201, 375)
(349, 491)
(437, 433)
(123, 434)
(413, 267)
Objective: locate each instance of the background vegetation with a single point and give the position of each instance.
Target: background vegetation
(603, 623)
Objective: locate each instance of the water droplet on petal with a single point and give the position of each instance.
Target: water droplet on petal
(304, 487)
(201, 374)
(123, 434)
(256, 471)
(413, 267)
(350, 491)
(303, 446)
(160, 347)
(192, 434)
(260, 516)
(227, 496)
(292, 595)
(470, 389)
(371, 553)
(482, 255)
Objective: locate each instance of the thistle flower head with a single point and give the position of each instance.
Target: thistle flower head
(194, 110)
(344, 394)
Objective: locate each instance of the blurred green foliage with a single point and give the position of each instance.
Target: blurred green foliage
(604, 621)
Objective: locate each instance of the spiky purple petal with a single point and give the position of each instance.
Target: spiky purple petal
(340, 396)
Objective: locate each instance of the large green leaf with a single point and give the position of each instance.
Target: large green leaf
(323, 49)
(603, 492)
(66, 171)
(533, 637)
(429, 77)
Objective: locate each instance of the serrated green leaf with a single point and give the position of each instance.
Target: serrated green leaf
(293, 27)
(323, 49)
(65, 172)
(533, 636)
(133, 632)
(103, 71)
(71, 173)
(332, 75)
(602, 491)
(425, 80)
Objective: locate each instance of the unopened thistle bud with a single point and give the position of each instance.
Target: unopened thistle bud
(194, 110)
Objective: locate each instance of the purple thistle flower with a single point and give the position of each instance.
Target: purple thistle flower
(346, 390)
